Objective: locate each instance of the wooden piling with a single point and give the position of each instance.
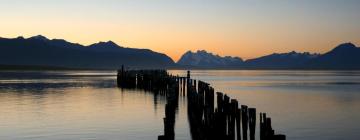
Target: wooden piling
(244, 117)
(225, 121)
(252, 122)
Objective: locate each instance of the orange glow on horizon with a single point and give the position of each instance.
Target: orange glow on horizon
(247, 29)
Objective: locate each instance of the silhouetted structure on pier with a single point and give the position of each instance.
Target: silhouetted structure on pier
(227, 121)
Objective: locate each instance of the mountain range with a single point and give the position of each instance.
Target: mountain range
(344, 56)
(41, 52)
(204, 59)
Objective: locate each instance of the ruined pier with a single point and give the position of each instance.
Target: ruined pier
(210, 117)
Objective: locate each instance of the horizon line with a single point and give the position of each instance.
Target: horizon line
(243, 58)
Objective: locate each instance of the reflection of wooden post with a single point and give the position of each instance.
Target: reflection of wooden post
(266, 131)
(170, 88)
(184, 85)
(227, 122)
(269, 131)
(279, 137)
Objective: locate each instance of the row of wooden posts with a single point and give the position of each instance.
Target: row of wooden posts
(228, 121)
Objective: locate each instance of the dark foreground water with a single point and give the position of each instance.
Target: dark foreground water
(86, 105)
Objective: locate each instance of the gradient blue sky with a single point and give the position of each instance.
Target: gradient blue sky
(245, 28)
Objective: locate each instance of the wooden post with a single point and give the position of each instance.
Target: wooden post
(226, 122)
(221, 116)
(252, 122)
(244, 117)
(262, 126)
(233, 109)
(238, 126)
(188, 74)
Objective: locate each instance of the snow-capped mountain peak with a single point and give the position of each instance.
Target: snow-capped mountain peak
(203, 58)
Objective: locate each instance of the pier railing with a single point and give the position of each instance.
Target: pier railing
(227, 121)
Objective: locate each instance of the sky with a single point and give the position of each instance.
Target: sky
(243, 28)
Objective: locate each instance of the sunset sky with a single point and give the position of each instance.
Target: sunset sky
(244, 28)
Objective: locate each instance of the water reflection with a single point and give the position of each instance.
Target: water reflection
(311, 105)
(76, 107)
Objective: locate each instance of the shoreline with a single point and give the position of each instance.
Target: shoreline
(58, 68)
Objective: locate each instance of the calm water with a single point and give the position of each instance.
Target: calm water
(304, 105)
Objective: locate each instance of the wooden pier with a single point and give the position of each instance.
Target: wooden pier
(225, 120)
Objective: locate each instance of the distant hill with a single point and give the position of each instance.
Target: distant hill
(204, 59)
(41, 51)
(344, 56)
(280, 60)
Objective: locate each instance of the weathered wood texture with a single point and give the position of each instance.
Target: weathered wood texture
(228, 121)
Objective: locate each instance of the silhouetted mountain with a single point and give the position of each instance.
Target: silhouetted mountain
(280, 60)
(40, 37)
(105, 47)
(344, 56)
(204, 59)
(65, 44)
(40, 51)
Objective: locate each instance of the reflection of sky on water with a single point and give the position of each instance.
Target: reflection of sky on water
(57, 105)
(80, 113)
(311, 105)
(57, 79)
